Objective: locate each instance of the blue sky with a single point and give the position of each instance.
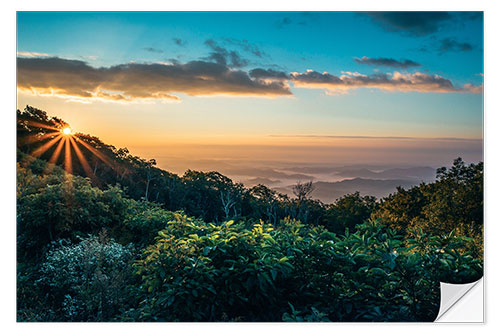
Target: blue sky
(329, 40)
(129, 72)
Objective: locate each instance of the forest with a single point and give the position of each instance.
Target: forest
(103, 235)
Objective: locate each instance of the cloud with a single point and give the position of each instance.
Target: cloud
(451, 44)
(135, 81)
(89, 57)
(404, 82)
(368, 137)
(301, 18)
(473, 89)
(153, 50)
(412, 23)
(76, 79)
(444, 45)
(470, 15)
(222, 56)
(179, 42)
(387, 62)
(33, 54)
(283, 22)
(246, 46)
(272, 74)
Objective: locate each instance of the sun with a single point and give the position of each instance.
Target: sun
(67, 143)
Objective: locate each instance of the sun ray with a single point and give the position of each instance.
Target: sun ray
(96, 153)
(36, 137)
(83, 161)
(46, 146)
(67, 156)
(40, 125)
(70, 142)
(54, 157)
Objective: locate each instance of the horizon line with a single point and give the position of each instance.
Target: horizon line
(371, 137)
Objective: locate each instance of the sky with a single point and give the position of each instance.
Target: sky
(261, 88)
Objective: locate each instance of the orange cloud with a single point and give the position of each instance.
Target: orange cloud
(32, 54)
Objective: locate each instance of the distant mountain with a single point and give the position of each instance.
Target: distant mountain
(328, 192)
(260, 180)
(416, 173)
(264, 173)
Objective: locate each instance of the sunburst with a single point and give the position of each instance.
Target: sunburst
(70, 143)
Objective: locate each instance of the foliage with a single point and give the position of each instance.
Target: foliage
(453, 203)
(141, 224)
(62, 207)
(87, 281)
(349, 211)
(402, 208)
(456, 197)
(199, 271)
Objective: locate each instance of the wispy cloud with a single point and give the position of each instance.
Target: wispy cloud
(224, 56)
(387, 62)
(405, 138)
(33, 54)
(282, 22)
(179, 42)
(303, 18)
(92, 58)
(446, 45)
(246, 46)
(451, 44)
(153, 50)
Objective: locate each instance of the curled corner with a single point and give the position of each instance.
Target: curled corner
(461, 302)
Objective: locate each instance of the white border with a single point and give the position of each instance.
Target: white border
(492, 111)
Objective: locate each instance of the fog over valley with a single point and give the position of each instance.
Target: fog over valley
(330, 180)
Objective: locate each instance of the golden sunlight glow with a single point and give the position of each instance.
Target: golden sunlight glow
(66, 143)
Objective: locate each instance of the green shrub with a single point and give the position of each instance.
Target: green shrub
(66, 208)
(88, 281)
(141, 223)
(199, 271)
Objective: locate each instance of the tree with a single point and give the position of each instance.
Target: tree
(349, 211)
(266, 202)
(456, 198)
(303, 190)
(402, 208)
(228, 199)
(148, 166)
